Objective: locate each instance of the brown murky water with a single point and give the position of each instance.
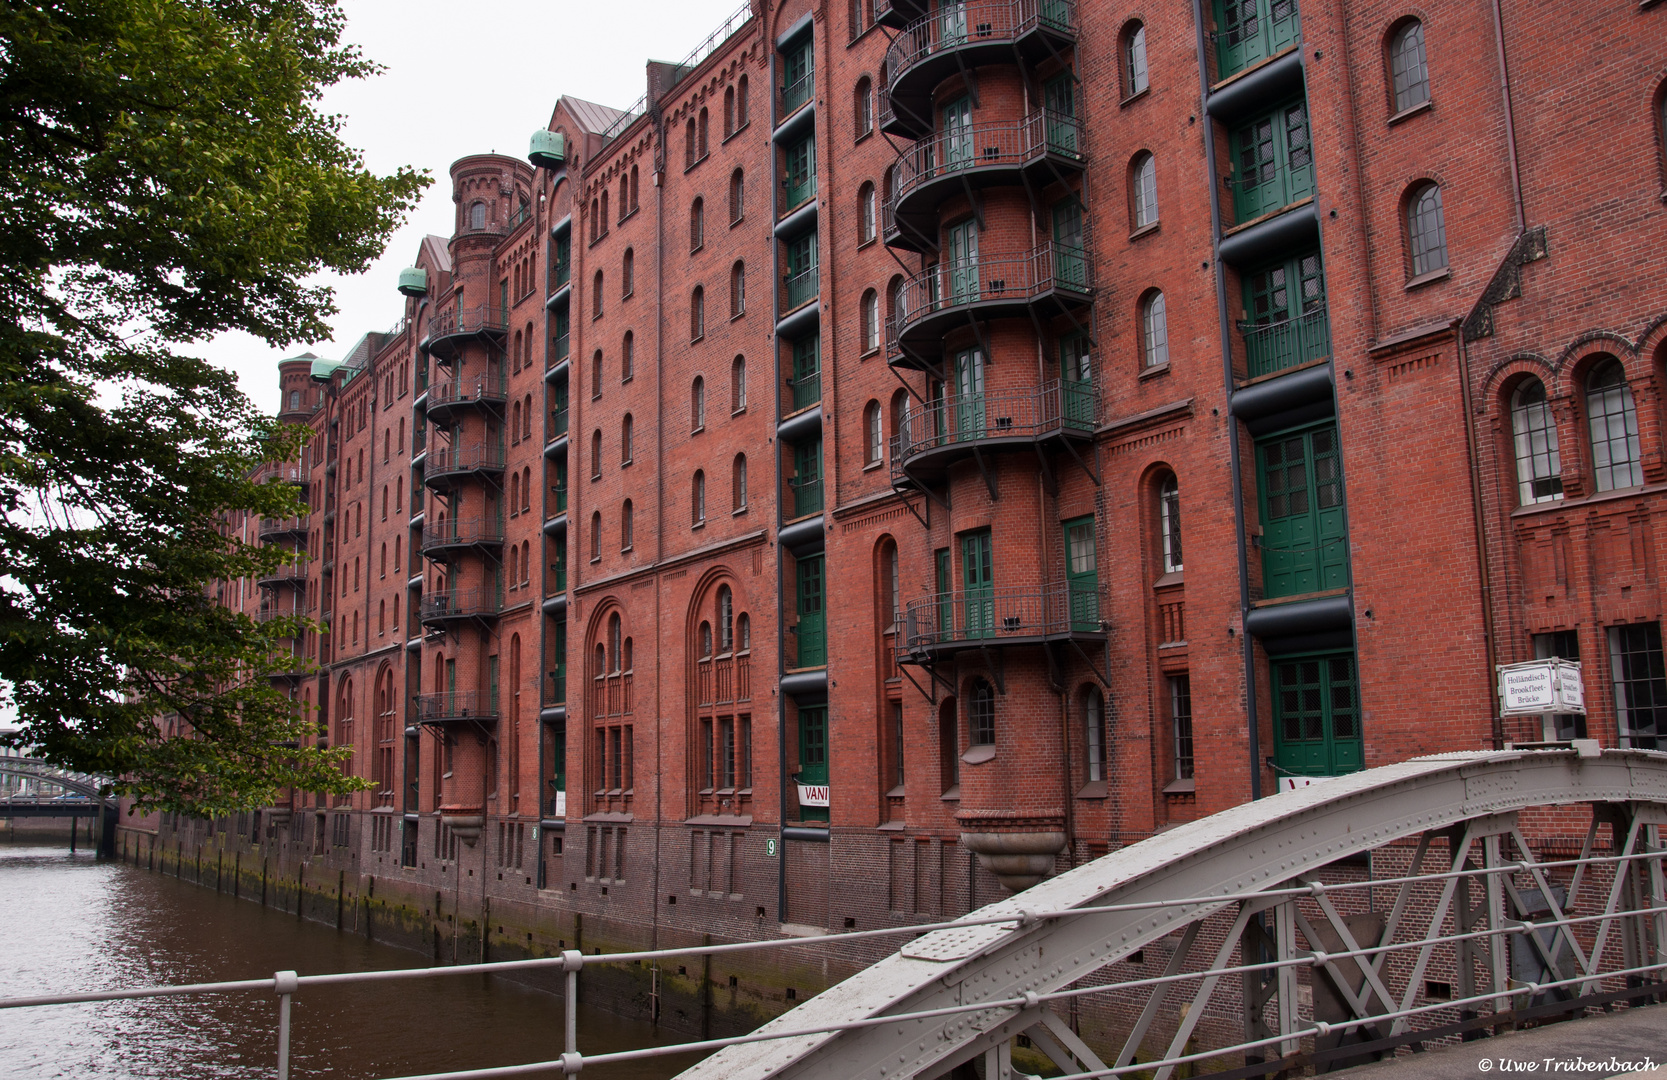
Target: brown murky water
(70, 923)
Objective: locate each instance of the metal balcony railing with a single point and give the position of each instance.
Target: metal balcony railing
(443, 460)
(805, 391)
(278, 470)
(796, 194)
(993, 416)
(456, 705)
(796, 93)
(558, 500)
(275, 527)
(460, 604)
(560, 349)
(807, 496)
(558, 423)
(480, 389)
(989, 616)
(555, 686)
(481, 319)
(1022, 277)
(267, 615)
(801, 288)
(1275, 346)
(1267, 186)
(288, 574)
(467, 532)
(960, 25)
(1012, 143)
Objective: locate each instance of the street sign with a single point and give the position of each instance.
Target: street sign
(1552, 685)
(813, 795)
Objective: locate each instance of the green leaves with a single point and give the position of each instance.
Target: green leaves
(164, 176)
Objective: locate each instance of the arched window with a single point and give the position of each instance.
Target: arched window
(527, 417)
(697, 224)
(737, 384)
(514, 493)
(740, 103)
(743, 633)
(871, 433)
(899, 412)
(863, 105)
(703, 138)
(628, 274)
(527, 490)
(1134, 59)
(689, 154)
(737, 196)
(596, 454)
(894, 289)
(866, 213)
(697, 498)
(627, 439)
(595, 535)
(697, 314)
(1409, 73)
(604, 218)
(595, 216)
(981, 714)
(737, 289)
(697, 403)
(515, 435)
(477, 215)
(726, 620)
(624, 197)
(1154, 330)
(729, 111)
(706, 641)
(636, 189)
(294, 400)
(1093, 736)
(627, 357)
(738, 483)
(625, 526)
(870, 321)
(615, 643)
(1426, 231)
(626, 655)
(596, 374)
(1169, 523)
(1613, 422)
(1143, 190)
(596, 296)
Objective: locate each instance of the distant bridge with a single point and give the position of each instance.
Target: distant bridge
(85, 796)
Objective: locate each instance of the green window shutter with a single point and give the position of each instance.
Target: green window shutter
(1316, 703)
(1076, 375)
(956, 133)
(1082, 579)
(1300, 491)
(960, 257)
(1070, 258)
(978, 585)
(946, 594)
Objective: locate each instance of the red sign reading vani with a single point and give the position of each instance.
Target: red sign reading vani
(813, 795)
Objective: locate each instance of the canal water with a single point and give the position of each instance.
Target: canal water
(72, 922)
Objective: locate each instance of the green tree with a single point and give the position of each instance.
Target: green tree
(165, 175)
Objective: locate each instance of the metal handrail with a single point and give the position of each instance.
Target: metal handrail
(453, 459)
(278, 470)
(1057, 608)
(479, 319)
(995, 414)
(807, 496)
(558, 423)
(796, 93)
(1007, 142)
(476, 530)
(1275, 346)
(279, 526)
(806, 390)
(987, 23)
(802, 287)
(460, 604)
(948, 285)
(456, 705)
(483, 387)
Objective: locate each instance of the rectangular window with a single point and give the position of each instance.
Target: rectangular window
(897, 744)
(813, 756)
(745, 766)
(802, 280)
(726, 752)
(706, 769)
(1081, 575)
(1304, 533)
(978, 585)
(1565, 645)
(807, 372)
(1640, 678)
(1180, 719)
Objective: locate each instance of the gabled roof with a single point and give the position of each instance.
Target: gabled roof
(592, 117)
(438, 252)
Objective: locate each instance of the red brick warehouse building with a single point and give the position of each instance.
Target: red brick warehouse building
(921, 447)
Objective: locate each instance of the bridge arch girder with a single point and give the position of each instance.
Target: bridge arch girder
(80, 783)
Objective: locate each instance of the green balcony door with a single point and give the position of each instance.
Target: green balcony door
(1286, 319)
(1304, 534)
(1252, 30)
(957, 133)
(558, 677)
(807, 478)
(559, 495)
(561, 564)
(1082, 579)
(946, 596)
(969, 394)
(807, 372)
(1070, 259)
(797, 75)
(1316, 705)
(558, 763)
(564, 258)
(978, 585)
(813, 640)
(1273, 162)
(813, 756)
(961, 261)
(1059, 98)
(800, 175)
(564, 332)
(1076, 381)
(952, 22)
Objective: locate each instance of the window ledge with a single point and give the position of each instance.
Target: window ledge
(872, 465)
(1181, 787)
(738, 412)
(977, 755)
(1144, 231)
(624, 380)
(1429, 279)
(696, 431)
(736, 221)
(738, 511)
(701, 524)
(1154, 371)
(896, 792)
(1411, 110)
(952, 795)
(1170, 579)
(1094, 789)
(1555, 505)
(871, 352)
(738, 315)
(1136, 96)
(697, 339)
(695, 164)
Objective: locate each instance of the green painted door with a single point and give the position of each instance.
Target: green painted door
(1252, 30)
(1316, 703)
(1273, 163)
(807, 478)
(800, 175)
(1304, 538)
(952, 22)
(946, 597)
(1070, 259)
(803, 281)
(1286, 322)
(807, 372)
(561, 564)
(813, 756)
(797, 75)
(957, 133)
(969, 395)
(978, 585)
(961, 262)
(813, 638)
(1076, 380)
(558, 765)
(1082, 580)
(1059, 102)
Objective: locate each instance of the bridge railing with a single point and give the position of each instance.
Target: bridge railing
(1549, 937)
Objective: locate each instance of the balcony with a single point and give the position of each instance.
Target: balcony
(450, 466)
(280, 471)
(899, 13)
(800, 289)
(723, 681)
(292, 575)
(470, 392)
(804, 391)
(555, 686)
(961, 37)
(1037, 149)
(930, 440)
(794, 195)
(1251, 32)
(282, 528)
(456, 706)
(943, 624)
(1261, 189)
(452, 329)
(797, 93)
(1052, 278)
(1276, 346)
(453, 535)
(805, 496)
(439, 609)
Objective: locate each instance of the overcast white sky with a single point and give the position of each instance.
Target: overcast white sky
(463, 79)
